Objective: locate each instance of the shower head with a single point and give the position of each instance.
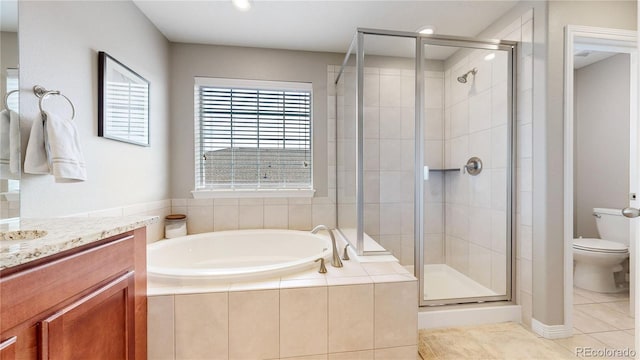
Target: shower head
(463, 79)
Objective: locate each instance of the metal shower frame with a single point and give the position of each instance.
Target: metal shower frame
(357, 45)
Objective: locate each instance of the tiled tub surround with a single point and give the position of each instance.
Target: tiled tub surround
(206, 215)
(63, 234)
(360, 311)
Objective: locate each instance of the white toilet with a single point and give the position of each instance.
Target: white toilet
(596, 260)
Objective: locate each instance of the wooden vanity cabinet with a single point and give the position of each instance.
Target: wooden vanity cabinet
(85, 303)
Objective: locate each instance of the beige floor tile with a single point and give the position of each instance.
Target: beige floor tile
(600, 297)
(496, 341)
(577, 332)
(620, 306)
(579, 299)
(452, 346)
(579, 341)
(615, 339)
(584, 293)
(589, 324)
(607, 315)
(424, 350)
(630, 331)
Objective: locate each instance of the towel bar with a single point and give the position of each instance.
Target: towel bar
(6, 98)
(42, 93)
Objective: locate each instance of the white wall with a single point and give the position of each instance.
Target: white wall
(602, 139)
(548, 143)
(59, 44)
(8, 57)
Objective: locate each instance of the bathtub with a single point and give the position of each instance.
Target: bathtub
(233, 256)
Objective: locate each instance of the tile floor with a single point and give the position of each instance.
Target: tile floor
(601, 321)
(493, 341)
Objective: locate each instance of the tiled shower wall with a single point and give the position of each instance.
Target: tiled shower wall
(521, 30)
(389, 123)
(389, 128)
(476, 124)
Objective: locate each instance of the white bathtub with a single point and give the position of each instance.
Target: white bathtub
(230, 256)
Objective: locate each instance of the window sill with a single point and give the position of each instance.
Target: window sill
(249, 193)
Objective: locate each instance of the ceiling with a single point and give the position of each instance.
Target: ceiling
(326, 26)
(582, 58)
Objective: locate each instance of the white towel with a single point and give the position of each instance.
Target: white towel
(9, 144)
(63, 149)
(35, 159)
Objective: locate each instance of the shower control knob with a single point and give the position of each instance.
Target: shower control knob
(473, 166)
(631, 212)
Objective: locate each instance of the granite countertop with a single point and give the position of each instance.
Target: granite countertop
(62, 234)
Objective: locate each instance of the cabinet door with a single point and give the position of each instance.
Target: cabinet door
(98, 326)
(8, 349)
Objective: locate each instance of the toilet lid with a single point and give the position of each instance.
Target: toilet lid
(599, 245)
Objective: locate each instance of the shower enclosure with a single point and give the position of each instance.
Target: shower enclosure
(425, 159)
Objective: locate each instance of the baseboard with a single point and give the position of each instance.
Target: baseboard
(550, 331)
(465, 316)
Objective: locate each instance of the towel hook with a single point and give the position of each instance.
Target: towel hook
(6, 98)
(42, 93)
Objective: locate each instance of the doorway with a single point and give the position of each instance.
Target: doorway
(601, 174)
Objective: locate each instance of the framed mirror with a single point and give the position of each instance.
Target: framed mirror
(123, 102)
(9, 119)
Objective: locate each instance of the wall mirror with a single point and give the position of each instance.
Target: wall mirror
(9, 120)
(123, 102)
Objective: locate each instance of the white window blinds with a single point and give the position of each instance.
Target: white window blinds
(252, 134)
(127, 110)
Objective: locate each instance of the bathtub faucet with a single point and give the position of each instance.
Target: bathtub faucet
(335, 260)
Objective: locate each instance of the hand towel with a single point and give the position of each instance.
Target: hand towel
(63, 149)
(35, 160)
(9, 144)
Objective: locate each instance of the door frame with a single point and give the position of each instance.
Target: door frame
(511, 49)
(614, 40)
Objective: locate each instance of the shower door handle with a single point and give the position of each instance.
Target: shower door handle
(631, 212)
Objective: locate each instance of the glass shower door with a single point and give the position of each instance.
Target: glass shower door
(467, 208)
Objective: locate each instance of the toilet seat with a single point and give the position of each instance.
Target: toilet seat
(599, 245)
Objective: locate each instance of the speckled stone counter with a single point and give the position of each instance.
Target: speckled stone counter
(63, 234)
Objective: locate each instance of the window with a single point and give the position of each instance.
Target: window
(252, 135)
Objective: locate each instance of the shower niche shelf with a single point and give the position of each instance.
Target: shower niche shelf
(446, 170)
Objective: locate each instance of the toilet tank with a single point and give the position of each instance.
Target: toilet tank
(612, 225)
